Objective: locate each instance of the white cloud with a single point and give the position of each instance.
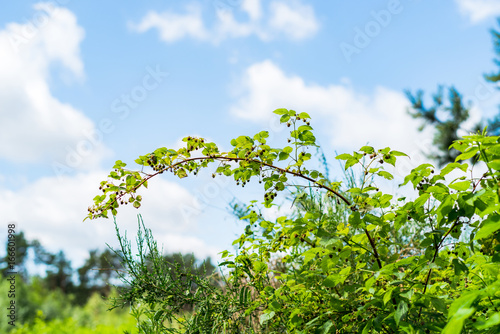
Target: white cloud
(349, 118)
(291, 19)
(172, 26)
(479, 10)
(34, 125)
(253, 8)
(52, 210)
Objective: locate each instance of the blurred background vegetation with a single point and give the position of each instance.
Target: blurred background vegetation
(63, 299)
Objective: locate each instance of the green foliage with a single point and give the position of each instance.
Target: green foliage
(350, 260)
(71, 326)
(39, 310)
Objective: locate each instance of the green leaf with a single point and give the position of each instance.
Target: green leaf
(386, 175)
(367, 149)
(281, 111)
(439, 304)
(311, 254)
(259, 266)
(464, 302)
(400, 311)
(304, 115)
(492, 321)
(304, 128)
(438, 189)
(460, 186)
(283, 156)
(181, 173)
(489, 225)
(325, 328)
(456, 323)
(495, 164)
(285, 118)
(344, 156)
(421, 200)
(351, 162)
(469, 153)
(265, 317)
(345, 272)
(274, 305)
(307, 137)
(330, 281)
(388, 295)
(398, 154)
(368, 326)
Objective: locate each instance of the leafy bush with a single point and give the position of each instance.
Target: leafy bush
(352, 260)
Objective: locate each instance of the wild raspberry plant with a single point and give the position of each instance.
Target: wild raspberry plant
(355, 259)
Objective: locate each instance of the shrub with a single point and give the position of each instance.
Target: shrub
(353, 260)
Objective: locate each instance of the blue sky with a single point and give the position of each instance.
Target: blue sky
(83, 84)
